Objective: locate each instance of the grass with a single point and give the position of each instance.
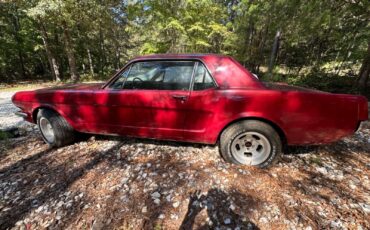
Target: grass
(316, 160)
(4, 135)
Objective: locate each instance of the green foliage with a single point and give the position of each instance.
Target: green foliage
(327, 82)
(4, 135)
(320, 81)
(323, 43)
(182, 26)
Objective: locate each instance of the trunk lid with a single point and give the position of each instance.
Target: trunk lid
(285, 87)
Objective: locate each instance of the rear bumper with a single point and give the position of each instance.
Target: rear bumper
(359, 126)
(363, 109)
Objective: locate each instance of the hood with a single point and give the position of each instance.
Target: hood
(285, 87)
(22, 97)
(82, 86)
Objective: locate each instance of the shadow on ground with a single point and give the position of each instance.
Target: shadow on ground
(108, 183)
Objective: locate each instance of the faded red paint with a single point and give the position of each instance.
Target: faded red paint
(301, 115)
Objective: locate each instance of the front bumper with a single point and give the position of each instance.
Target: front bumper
(21, 114)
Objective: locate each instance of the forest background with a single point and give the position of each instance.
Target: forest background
(322, 44)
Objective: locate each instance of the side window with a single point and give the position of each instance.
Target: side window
(160, 75)
(202, 78)
(118, 84)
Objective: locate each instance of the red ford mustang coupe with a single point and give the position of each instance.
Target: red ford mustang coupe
(195, 98)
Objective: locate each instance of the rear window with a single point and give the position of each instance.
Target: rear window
(202, 78)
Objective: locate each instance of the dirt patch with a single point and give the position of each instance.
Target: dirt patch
(119, 183)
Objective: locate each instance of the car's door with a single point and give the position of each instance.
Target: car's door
(170, 102)
(202, 106)
(124, 109)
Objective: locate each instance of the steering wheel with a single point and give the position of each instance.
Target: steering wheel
(136, 78)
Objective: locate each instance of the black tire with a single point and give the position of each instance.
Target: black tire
(234, 130)
(64, 134)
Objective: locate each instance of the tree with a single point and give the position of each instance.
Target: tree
(92, 38)
(363, 76)
(54, 66)
(57, 13)
(70, 52)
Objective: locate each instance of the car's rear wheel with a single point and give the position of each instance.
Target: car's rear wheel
(54, 129)
(250, 142)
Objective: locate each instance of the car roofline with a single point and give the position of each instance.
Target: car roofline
(178, 56)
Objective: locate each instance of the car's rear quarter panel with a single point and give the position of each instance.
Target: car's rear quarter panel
(303, 117)
(314, 118)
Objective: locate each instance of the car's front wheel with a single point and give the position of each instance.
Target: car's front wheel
(250, 142)
(54, 129)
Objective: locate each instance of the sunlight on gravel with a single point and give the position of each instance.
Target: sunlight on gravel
(105, 183)
(7, 117)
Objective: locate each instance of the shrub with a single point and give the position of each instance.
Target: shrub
(320, 81)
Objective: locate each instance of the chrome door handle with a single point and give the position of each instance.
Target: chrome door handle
(238, 98)
(180, 97)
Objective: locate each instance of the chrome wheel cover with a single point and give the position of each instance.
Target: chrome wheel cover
(250, 148)
(46, 130)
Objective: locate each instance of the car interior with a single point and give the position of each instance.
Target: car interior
(164, 75)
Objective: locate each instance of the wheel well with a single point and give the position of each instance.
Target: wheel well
(272, 124)
(36, 111)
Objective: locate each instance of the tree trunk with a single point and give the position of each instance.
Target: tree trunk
(70, 54)
(274, 52)
(262, 42)
(363, 76)
(348, 54)
(21, 61)
(18, 39)
(118, 56)
(90, 62)
(44, 66)
(54, 67)
(102, 55)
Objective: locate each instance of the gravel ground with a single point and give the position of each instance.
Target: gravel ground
(8, 119)
(121, 183)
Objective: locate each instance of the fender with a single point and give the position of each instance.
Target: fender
(38, 106)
